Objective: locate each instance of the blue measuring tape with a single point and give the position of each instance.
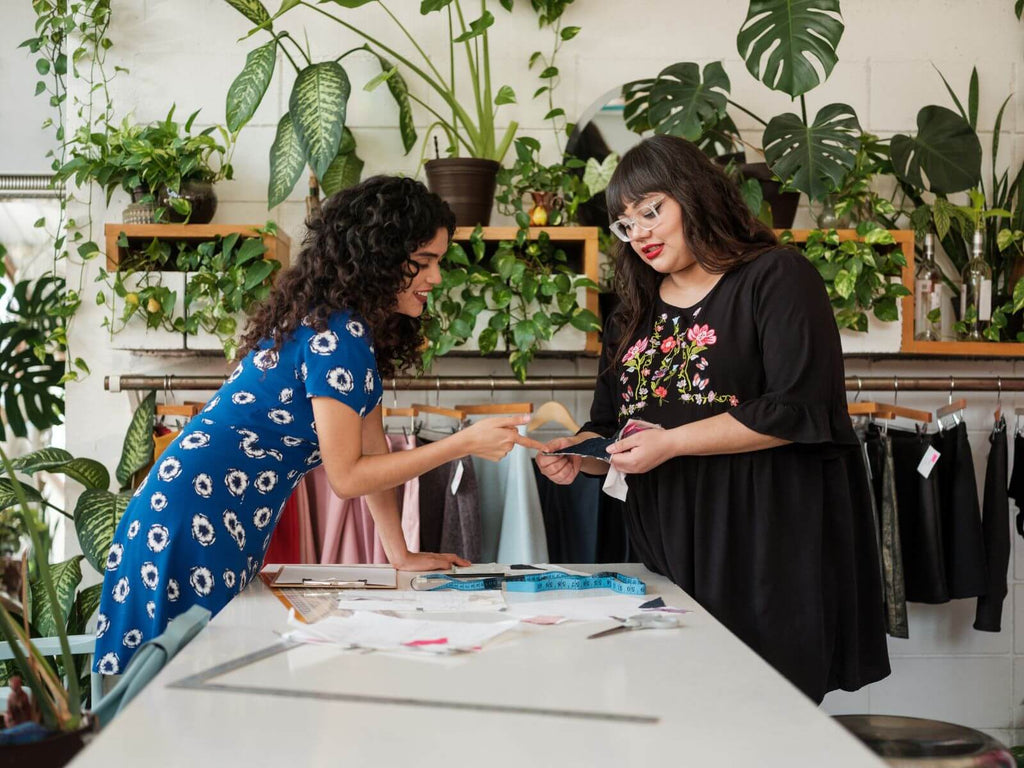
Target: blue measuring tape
(547, 581)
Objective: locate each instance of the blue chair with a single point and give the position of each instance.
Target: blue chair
(148, 660)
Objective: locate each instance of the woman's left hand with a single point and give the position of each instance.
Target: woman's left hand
(642, 451)
(429, 561)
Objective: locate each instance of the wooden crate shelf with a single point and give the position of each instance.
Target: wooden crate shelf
(581, 247)
(278, 246)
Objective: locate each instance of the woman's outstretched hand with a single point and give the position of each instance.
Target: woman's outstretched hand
(429, 561)
(491, 438)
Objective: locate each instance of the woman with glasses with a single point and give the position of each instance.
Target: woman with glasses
(306, 392)
(751, 495)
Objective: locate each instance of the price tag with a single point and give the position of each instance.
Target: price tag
(928, 461)
(457, 480)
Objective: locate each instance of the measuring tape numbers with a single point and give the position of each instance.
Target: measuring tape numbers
(548, 581)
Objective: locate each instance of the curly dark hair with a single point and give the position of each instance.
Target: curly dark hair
(355, 256)
(718, 227)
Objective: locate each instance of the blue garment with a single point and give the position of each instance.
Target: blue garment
(196, 530)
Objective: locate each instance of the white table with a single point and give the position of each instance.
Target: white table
(695, 696)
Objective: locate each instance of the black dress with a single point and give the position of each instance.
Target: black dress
(777, 544)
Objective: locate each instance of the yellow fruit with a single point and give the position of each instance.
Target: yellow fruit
(539, 216)
(152, 306)
(132, 298)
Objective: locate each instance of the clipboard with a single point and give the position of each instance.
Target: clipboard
(369, 576)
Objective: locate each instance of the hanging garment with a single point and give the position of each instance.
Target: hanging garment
(512, 522)
(431, 504)
(460, 526)
(571, 515)
(348, 532)
(284, 543)
(777, 544)
(966, 569)
(920, 519)
(878, 451)
(308, 551)
(410, 496)
(1016, 489)
(996, 530)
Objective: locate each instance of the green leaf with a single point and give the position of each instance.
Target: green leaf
(89, 472)
(568, 33)
(286, 5)
(1018, 8)
(879, 236)
(286, 162)
(683, 102)
(488, 340)
(845, 283)
(97, 514)
(8, 496)
(137, 450)
(400, 93)
(248, 89)
(343, 172)
(43, 66)
(317, 105)
(752, 195)
(476, 27)
(785, 42)
(428, 6)
(30, 390)
(597, 175)
(813, 158)
(42, 459)
(505, 96)
(944, 157)
(87, 602)
(257, 273)
(585, 320)
(524, 333)
(253, 10)
(885, 310)
(66, 577)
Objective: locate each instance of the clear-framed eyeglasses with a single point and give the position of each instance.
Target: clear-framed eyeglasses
(646, 218)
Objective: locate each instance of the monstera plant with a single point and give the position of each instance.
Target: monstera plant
(790, 46)
(54, 605)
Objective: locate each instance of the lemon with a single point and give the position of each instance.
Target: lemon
(152, 306)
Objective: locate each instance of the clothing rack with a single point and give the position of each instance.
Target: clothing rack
(579, 383)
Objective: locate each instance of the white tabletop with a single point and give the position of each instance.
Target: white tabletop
(695, 696)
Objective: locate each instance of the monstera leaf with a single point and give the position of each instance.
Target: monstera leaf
(682, 103)
(944, 157)
(317, 105)
(637, 97)
(782, 39)
(30, 389)
(286, 162)
(33, 302)
(813, 158)
(720, 138)
(246, 92)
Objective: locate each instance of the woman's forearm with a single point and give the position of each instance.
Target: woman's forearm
(372, 473)
(719, 434)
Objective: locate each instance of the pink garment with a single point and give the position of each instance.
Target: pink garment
(410, 496)
(308, 548)
(347, 532)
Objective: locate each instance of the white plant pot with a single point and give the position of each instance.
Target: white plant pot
(136, 335)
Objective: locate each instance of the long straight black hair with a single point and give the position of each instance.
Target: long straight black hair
(718, 228)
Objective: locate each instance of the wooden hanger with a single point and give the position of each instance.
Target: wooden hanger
(179, 409)
(552, 410)
(496, 408)
(876, 410)
(388, 412)
(452, 413)
(953, 407)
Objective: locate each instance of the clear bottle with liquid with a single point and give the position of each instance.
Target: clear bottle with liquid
(976, 292)
(928, 293)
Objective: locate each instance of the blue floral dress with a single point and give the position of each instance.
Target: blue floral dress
(197, 528)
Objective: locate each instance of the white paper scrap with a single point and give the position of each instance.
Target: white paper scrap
(364, 629)
(596, 608)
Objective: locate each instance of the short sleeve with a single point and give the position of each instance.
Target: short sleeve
(804, 398)
(339, 363)
(603, 420)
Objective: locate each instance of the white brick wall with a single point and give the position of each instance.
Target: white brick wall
(184, 50)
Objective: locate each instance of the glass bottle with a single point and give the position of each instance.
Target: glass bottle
(928, 290)
(976, 292)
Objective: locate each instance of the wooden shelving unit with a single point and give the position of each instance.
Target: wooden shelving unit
(278, 246)
(580, 245)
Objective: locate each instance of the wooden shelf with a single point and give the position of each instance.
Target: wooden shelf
(278, 246)
(585, 254)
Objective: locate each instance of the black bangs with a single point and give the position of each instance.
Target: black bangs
(644, 169)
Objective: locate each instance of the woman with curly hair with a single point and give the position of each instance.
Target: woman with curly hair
(752, 496)
(306, 391)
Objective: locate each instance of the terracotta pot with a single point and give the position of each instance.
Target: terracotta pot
(467, 185)
(54, 752)
(199, 193)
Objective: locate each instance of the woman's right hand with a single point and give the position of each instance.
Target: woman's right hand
(560, 469)
(491, 438)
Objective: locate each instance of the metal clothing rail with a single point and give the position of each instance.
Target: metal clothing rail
(582, 383)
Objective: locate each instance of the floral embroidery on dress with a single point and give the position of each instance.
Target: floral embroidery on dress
(681, 368)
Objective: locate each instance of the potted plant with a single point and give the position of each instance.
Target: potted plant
(56, 606)
(168, 171)
(311, 131)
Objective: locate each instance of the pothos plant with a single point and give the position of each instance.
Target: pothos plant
(227, 276)
(859, 274)
(52, 604)
(528, 290)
